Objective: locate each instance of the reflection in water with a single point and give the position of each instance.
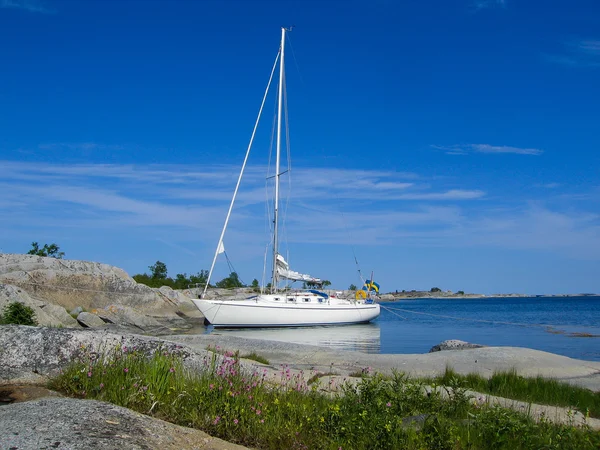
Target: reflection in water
(365, 338)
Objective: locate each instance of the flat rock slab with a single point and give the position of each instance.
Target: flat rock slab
(484, 361)
(65, 423)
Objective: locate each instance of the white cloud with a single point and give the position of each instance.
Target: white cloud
(81, 146)
(483, 4)
(459, 149)
(576, 234)
(452, 194)
(577, 53)
(33, 6)
(590, 46)
(182, 204)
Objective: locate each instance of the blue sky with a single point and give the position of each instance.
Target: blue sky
(445, 143)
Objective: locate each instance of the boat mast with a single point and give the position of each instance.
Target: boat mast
(277, 161)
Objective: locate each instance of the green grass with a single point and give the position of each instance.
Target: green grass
(256, 357)
(253, 356)
(535, 390)
(317, 376)
(283, 411)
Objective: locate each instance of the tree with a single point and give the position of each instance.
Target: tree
(326, 283)
(158, 270)
(231, 282)
(435, 289)
(51, 250)
(199, 279)
(352, 287)
(254, 283)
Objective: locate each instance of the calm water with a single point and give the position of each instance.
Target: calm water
(417, 333)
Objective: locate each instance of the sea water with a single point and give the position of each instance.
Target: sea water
(568, 326)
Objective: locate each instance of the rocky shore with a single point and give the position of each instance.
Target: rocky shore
(94, 307)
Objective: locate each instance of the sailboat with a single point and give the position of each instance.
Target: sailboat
(281, 307)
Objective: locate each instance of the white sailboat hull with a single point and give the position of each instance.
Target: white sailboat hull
(264, 311)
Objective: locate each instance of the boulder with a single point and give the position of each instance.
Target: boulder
(32, 355)
(90, 320)
(67, 423)
(453, 344)
(128, 317)
(71, 283)
(67, 285)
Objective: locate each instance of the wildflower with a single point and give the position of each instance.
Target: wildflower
(125, 370)
(258, 411)
(217, 420)
(172, 369)
(89, 374)
(235, 421)
(101, 385)
(262, 420)
(388, 404)
(211, 386)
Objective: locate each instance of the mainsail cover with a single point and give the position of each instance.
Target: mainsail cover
(283, 270)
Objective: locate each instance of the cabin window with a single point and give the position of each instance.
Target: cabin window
(320, 300)
(276, 299)
(307, 299)
(291, 299)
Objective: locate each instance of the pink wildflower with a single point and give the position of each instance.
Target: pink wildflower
(235, 421)
(388, 404)
(217, 420)
(125, 370)
(89, 374)
(172, 369)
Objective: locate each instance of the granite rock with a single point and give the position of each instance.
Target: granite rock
(453, 344)
(89, 320)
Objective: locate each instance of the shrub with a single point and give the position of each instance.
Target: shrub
(18, 314)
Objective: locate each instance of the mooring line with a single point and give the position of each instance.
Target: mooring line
(465, 318)
(392, 312)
